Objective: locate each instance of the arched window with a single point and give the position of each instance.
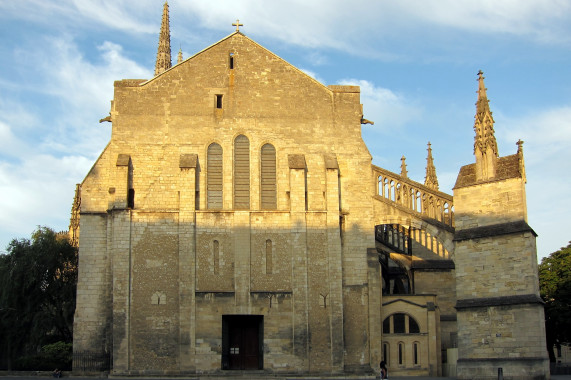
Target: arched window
(398, 322)
(241, 173)
(416, 353)
(401, 353)
(214, 177)
(401, 324)
(268, 177)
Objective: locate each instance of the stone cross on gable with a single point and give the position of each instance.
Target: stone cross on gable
(237, 25)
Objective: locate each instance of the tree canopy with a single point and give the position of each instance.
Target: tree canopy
(38, 279)
(555, 288)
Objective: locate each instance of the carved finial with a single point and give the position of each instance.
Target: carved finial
(403, 171)
(430, 180)
(164, 51)
(485, 145)
(519, 144)
(179, 58)
(237, 25)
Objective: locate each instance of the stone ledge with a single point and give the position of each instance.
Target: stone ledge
(499, 301)
(433, 264)
(504, 359)
(493, 230)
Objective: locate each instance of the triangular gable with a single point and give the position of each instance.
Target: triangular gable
(251, 41)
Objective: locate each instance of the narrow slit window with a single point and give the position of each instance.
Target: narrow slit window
(269, 262)
(216, 254)
(219, 101)
(131, 198)
(231, 61)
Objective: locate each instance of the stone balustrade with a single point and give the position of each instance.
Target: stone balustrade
(414, 196)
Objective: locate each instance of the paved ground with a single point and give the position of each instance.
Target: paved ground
(66, 377)
(559, 377)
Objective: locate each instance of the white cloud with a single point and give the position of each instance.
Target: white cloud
(384, 107)
(547, 137)
(37, 184)
(73, 14)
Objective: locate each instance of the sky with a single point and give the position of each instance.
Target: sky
(415, 61)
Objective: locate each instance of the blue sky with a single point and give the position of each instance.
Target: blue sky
(416, 63)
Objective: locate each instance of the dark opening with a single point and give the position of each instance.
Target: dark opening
(387, 325)
(242, 342)
(131, 198)
(231, 63)
(398, 323)
(218, 101)
(413, 326)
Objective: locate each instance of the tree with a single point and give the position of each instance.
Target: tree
(38, 280)
(555, 288)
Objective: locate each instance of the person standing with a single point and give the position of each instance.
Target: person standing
(384, 371)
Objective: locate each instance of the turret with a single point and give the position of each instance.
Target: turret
(485, 145)
(164, 50)
(430, 180)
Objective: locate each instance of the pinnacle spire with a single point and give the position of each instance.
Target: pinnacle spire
(430, 180)
(485, 145)
(179, 58)
(403, 171)
(164, 52)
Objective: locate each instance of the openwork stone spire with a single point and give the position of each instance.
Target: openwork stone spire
(430, 180)
(74, 219)
(485, 145)
(403, 171)
(164, 51)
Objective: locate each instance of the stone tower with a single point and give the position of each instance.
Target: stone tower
(500, 314)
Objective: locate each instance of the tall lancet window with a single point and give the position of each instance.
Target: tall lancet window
(268, 177)
(214, 177)
(241, 173)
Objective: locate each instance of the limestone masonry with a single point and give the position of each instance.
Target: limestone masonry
(235, 222)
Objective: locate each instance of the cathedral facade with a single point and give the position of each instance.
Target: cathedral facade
(235, 222)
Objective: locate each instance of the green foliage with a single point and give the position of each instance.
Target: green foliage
(555, 288)
(52, 356)
(38, 280)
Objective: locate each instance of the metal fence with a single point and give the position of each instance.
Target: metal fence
(88, 361)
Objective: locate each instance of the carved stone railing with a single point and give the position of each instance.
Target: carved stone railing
(394, 236)
(414, 196)
(409, 240)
